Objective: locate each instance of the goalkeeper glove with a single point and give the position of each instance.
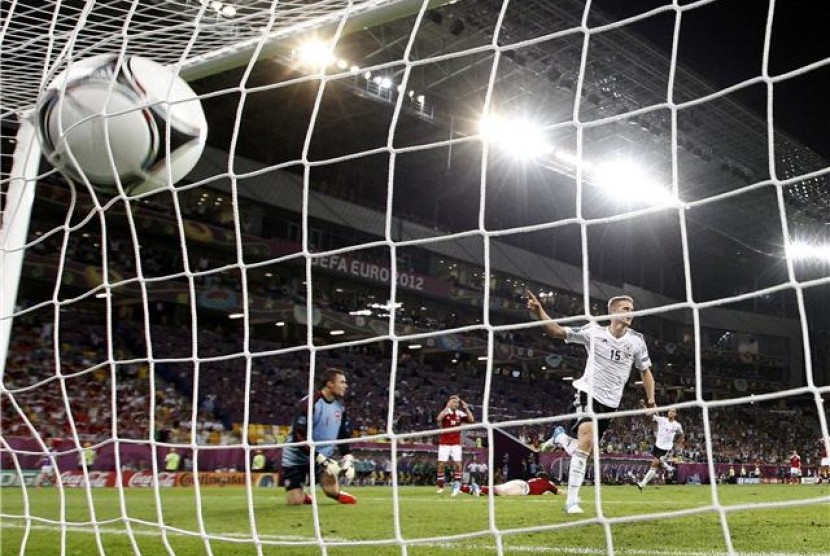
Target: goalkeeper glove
(347, 464)
(329, 465)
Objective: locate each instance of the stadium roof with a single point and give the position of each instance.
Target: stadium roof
(721, 144)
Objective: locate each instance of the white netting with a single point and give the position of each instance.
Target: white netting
(352, 212)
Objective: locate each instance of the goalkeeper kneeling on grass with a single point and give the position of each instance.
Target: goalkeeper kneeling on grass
(329, 423)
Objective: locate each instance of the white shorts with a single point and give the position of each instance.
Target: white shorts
(447, 452)
(795, 472)
(46, 469)
(516, 487)
(825, 462)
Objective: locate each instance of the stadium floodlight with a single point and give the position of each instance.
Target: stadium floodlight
(415, 346)
(279, 323)
(518, 137)
(234, 316)
(315, 54)
(337, 332)
(628, 182)
(570, 160)
(806, 251)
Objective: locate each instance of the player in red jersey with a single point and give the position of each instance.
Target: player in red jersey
(795, 467)
(536, 486)
(449, 443)
(824, 470)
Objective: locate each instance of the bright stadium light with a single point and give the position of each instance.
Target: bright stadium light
(570, 160)
(628, 182)
(315, 54)
(518, 137)
(805, 251)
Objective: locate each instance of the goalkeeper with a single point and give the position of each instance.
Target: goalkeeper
(329, 423)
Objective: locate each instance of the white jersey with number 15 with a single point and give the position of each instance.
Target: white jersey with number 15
(609, 362)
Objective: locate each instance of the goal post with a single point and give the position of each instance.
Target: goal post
(14, 225)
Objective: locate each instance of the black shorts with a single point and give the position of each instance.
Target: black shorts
(296, 476)
(658, 452)
(580, 405)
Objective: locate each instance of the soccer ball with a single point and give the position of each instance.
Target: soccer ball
(96, 109)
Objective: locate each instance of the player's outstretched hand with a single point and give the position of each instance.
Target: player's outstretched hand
(534, 306)
(347, 464)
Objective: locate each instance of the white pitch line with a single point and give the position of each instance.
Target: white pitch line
(140, 532)
(510, 548)
(450, 546)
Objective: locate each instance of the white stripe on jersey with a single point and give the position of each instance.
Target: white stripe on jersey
(609, 361)
(666, 432)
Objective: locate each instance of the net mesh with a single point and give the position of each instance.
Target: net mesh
(195, 317)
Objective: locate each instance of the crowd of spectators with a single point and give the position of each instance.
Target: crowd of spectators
(227, 379)
(269, 386)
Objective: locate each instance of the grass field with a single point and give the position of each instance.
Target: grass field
(523, 525)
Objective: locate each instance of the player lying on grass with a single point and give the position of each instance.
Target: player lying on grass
(329, 423)
(538, 485)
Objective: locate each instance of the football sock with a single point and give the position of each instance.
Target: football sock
(568, 443)
(576, 475)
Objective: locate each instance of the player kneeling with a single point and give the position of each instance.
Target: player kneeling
(330, 423)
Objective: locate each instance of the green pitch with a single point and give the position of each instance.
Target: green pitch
(522, 525)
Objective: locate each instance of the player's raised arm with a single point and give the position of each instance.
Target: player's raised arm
(468, 411)
(535, 307)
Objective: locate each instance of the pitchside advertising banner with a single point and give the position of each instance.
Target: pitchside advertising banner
(143, 479)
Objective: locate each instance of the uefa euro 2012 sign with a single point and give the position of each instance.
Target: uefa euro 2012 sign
(107, 120)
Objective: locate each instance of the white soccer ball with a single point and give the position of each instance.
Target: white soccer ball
(96, 107)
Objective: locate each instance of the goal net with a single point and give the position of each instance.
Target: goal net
(383, 182)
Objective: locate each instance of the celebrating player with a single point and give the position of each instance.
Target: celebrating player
(538, 485)
(612, 351)
(668, 429)
(449, 443)
(795, 467)
(329, 423)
